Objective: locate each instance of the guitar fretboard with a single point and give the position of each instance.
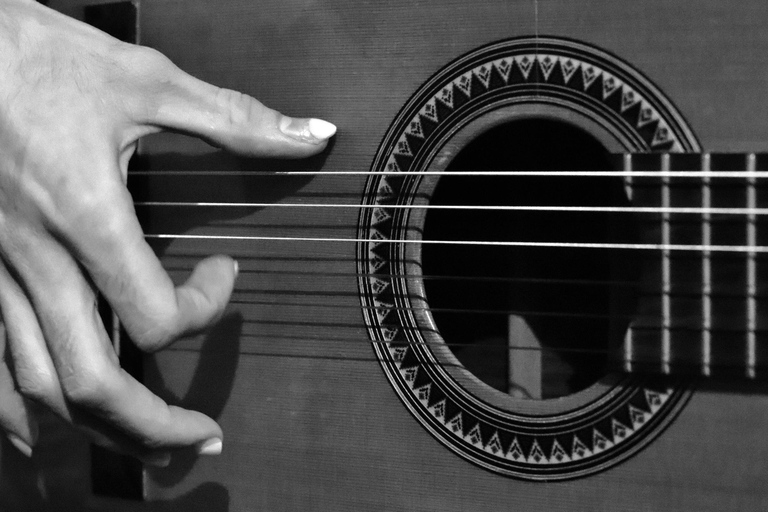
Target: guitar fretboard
(702, 307)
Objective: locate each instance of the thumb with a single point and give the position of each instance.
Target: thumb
(229, 119)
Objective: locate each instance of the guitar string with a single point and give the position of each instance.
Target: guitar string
(760, 249)
(240, 294)
(427, 277)
(398, 309)
(240, 297)
(534, 313)
(571, 209)
(735, 174)
(305, 304)
(641, 322)
(267, 259)
(729, 211)
(689, 362)
(640, 319)
(681, 285)
(320, 340)
(650, 361)
(287, 342)
(684, 367)
(690, 358)
(613, 284)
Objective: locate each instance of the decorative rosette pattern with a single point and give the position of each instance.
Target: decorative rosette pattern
(555, 445)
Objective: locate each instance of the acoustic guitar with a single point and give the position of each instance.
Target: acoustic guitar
(526, 275)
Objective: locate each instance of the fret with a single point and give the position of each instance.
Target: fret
(644, 342)
(751, 268)
(760, 281)
(702, 312)
(687, 270)
(706, 268)
(666, 266)
(729, 271)
(628, 338)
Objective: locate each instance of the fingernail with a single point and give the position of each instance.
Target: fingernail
(20, 445)
(313, 131)
(237, 267)
(159, 460)
(210, 447)
(321, 130)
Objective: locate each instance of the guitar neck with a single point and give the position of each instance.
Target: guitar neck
(701, 307)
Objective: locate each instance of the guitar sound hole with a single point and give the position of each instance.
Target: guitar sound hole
(537, 322)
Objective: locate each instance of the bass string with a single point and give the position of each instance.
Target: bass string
(184, 262)
(427, 277)
(701, 248)
(325, 304)
(588, 209)
(681, 285)
(416, 309)
(286, 340)
(372, 359)
(687, 368)
(513, 208)
(323, 300)
(308, 347)
(641, 321)
(326, 341)
(681, 174)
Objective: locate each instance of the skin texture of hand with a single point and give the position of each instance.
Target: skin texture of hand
(73, 103)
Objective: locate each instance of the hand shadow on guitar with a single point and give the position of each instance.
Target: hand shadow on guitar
(211, 384)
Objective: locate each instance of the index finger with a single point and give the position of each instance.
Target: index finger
(225, 118)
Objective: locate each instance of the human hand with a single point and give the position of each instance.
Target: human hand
(73, 103)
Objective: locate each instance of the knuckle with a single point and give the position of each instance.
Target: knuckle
(162, 332)
(147, 74)
(77, 201)
(97, 211)
(38, 386)
(232, 104)
(239, 109)
(86, 388)
(61, 193)
(144, 58)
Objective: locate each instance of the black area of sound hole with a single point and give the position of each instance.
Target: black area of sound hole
(576, 302)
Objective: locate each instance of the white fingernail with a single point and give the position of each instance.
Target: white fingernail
(313, 131)
(20, 445)
(210, 447)
(321, 130)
